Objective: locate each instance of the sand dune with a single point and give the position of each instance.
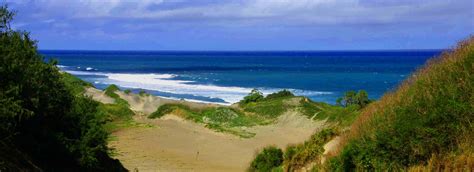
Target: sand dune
(179, 145)
(175, 144)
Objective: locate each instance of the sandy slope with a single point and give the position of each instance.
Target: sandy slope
(99, 95)
(174, 144)
(178, 145)
(148, 104)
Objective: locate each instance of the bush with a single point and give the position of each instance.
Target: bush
(271, 157)
(127, 91)
(279, 94)
(350, 98)
(253, 96)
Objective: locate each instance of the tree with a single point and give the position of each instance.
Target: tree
(349, 98)
(253, 96)
(360, 98)
(40, 115)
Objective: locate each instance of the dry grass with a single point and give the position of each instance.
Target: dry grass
(449, 75)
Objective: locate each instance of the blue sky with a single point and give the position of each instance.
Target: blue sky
(245, 24)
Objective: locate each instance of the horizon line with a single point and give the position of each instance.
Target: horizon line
(335, 50)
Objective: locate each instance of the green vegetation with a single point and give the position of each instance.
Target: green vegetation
(75, 84)
(342, 116)
(42, 114)
(311, 150)
(295, 157)
(224, 119)
(279, 94)
(127, 91)
(270, 158)
(253, 96)
(268, 108)
(118, 114)
(351, 98)
(427, 124)
(264, 111)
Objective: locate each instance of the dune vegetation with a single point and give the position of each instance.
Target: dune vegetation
(424, 125)
(256, 109)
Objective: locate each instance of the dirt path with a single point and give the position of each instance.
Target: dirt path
(178, 145)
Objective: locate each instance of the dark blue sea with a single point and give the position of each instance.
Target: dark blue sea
(225, 77)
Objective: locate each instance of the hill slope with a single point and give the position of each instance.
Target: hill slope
(427, 123)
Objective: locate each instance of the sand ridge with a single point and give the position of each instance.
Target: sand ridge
(176, 144)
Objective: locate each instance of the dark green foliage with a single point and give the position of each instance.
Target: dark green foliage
(271, 157)
(282, 93)
(253, 96)
(127, 91)
(41, 113)
(350, 98)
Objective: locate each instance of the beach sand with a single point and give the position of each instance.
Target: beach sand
(175, 144)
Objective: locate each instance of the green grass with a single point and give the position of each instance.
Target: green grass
(268, 108)
(295, 156)
(298, 156)
(343, 116)
(266, 111)
(430, 115)
(223, 119)
(76, 85)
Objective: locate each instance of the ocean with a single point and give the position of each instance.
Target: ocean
(225, 76)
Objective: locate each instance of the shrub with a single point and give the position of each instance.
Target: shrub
(127, 91)
(350, 98)
(271, 157)
(279, 94)
(253, 96)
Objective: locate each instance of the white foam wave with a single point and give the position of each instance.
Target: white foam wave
(166, 83)
(163, 83)
(89, 68)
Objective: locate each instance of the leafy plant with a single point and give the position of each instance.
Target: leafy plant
(271, 157)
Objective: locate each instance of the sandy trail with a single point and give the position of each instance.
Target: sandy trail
(178, 145)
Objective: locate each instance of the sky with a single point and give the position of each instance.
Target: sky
(245, 24)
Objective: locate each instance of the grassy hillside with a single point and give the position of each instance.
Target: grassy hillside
(259, 111)
(426, 124)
